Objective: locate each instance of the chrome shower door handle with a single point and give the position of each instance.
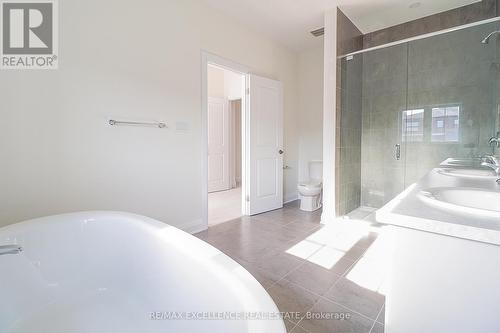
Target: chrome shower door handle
(397, 152)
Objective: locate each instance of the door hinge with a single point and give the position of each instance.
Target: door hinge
(248, 91)
(247, 198)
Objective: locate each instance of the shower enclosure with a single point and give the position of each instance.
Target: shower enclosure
(406, 108)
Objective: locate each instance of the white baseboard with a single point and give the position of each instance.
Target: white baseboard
(289, 197)
(194, 227)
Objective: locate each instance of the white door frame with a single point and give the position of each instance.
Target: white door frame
(208, 58)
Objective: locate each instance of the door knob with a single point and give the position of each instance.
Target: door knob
(281, 152)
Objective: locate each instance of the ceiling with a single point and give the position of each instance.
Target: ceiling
(289, 21)
(373, 15)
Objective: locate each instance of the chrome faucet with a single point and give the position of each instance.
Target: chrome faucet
(494, 140)
(489, 159)
(10, 249)
(491, 162)
(493, 166)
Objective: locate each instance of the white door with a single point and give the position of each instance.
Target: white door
(218, 145)
(265, 190)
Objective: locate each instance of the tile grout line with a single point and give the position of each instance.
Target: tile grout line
(331, 301)
(378, 315)
(335, 302)
(373, 325)
(296, 268)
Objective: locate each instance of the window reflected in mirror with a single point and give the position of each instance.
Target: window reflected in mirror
(440, 124)
(413, 125)
(445, 124)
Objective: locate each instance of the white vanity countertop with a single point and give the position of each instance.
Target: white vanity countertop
(409, 210)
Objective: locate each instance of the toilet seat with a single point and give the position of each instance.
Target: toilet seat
(312, 184)
(310, 188)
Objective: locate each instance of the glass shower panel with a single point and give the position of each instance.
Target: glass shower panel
(371, 150)
(384, 109)
(452, 98)
(405, 109)
(349, 135)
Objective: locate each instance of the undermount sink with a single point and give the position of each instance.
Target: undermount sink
(475, 201)
(469, 173)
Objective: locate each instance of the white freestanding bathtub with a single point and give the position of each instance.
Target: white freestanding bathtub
(109, 272)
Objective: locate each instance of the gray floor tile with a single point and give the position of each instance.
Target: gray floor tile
(377, 328)
(289, 325)
(357, 298)
(354, 253)
(279, 264)
(266, 279)
(353, 323)
(313, 277)
(290, 297)
(381, 316)
(332, 259)
(302, 226)
(297, 232)
(313, 266)
(299, 329)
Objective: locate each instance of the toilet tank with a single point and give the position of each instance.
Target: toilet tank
(316, 170)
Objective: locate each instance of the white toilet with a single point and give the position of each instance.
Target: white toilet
(310, 190)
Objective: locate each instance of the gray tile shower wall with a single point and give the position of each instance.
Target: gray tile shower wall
(467, 14)
(348, 118)
(349, 37)
(349, 127)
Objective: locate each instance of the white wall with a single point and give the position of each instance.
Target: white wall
(329, 107)
(138, 60)
(310, 111)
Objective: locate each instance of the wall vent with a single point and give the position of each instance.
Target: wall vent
(318, 32)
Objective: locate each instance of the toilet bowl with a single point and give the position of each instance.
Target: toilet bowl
(310, 190)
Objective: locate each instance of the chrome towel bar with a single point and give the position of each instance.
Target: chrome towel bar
(113, 122)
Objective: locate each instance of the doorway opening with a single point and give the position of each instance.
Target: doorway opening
(225, 130)
(256, 103)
